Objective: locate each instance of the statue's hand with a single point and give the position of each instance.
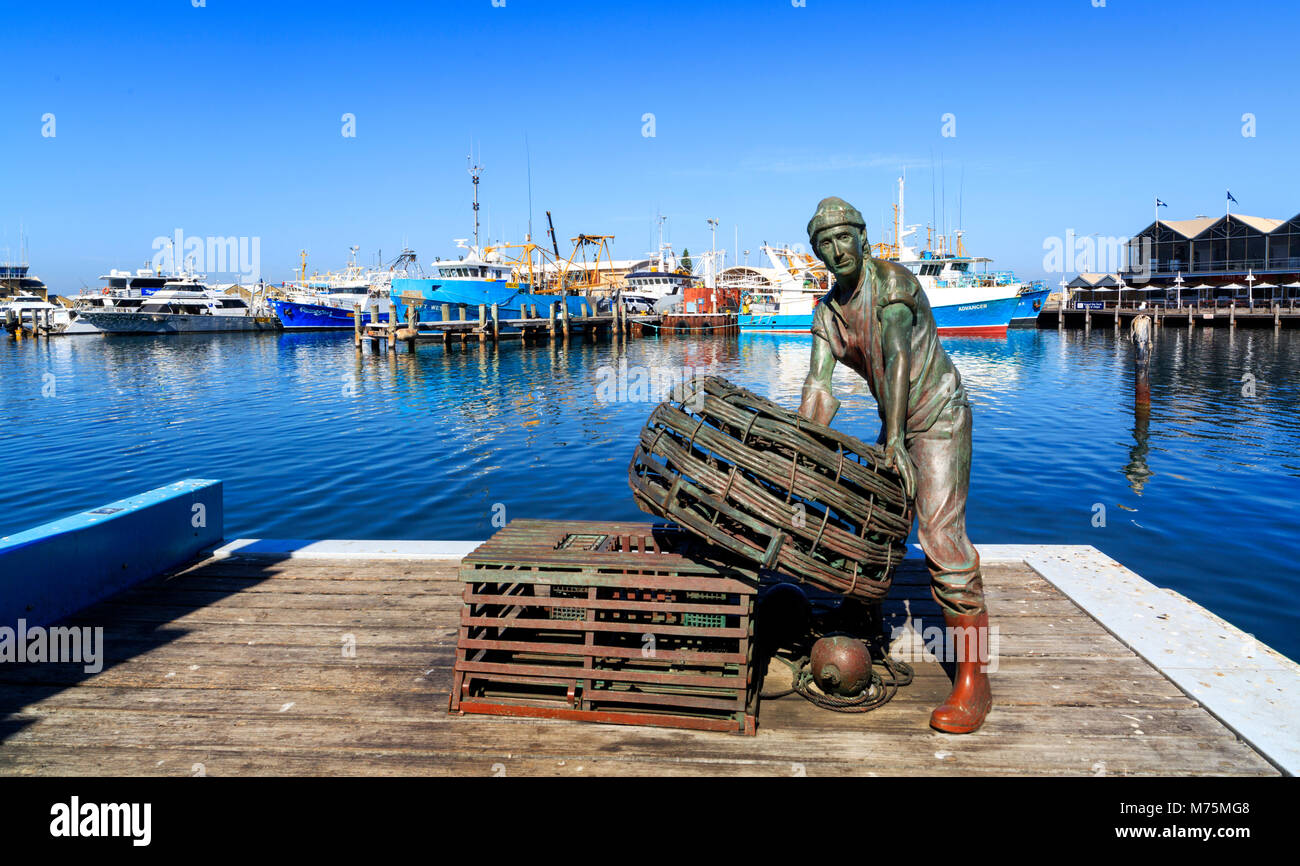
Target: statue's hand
(897, 459)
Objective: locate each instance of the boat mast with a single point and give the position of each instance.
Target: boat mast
(474, 171)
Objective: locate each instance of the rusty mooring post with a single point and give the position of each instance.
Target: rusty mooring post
(1142, 360)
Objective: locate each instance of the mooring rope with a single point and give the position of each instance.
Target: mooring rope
(880, 692)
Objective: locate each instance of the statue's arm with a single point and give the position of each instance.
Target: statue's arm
(818, 403)
(895, 337)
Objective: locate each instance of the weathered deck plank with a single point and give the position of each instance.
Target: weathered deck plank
(237, 666)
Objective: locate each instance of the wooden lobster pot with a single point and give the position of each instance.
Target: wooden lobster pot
(625, 623)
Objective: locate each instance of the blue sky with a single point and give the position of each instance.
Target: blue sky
(226, 120)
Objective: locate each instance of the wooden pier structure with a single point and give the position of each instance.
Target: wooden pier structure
(340, 664)
(460, 324)
(1188, 316)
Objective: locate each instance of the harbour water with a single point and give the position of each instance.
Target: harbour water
(314, 441)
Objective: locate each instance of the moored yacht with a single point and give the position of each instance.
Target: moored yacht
(180, 310)
(31, 311)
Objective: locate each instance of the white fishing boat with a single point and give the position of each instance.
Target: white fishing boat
(328, 301)
(964, 299)
(660, 286)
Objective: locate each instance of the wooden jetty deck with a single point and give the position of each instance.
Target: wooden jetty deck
(458, 324)
(242, 665)
(1189, 316)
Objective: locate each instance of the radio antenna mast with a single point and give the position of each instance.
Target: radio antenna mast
(474, 171)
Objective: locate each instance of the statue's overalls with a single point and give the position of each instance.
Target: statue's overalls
(938, 437)
(878, 321)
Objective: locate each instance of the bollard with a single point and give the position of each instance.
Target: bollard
(1142, 360)
(413, 325)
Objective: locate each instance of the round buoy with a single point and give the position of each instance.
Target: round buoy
(841, 665)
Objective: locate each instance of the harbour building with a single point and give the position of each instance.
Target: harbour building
(1235, 259)
(15, 280)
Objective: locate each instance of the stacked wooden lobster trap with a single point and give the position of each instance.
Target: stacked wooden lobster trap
(654, 624)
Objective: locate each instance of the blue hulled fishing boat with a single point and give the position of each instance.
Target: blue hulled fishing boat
(326, 302)
(478, 279)
(1030, 305)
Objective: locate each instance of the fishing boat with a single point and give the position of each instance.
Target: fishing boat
(181, 309)
(489, 276)
(783, 302)
(964, 299)
(659, 288)
(479, 278)
(328, 302)
(1032, 298)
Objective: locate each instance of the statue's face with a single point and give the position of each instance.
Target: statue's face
(840, 247)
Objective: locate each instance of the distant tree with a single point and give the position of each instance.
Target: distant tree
(686, 261)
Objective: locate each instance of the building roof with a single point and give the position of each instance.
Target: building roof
(1190, 228)
(1093, 281)
(1195, 227)
(1263, 224)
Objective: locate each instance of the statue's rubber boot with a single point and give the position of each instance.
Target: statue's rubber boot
(971, 698)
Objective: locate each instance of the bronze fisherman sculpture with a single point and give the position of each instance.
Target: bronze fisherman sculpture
(877, 320)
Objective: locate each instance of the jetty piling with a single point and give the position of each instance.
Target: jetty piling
(530, 326)
(392, 328)
(1142, 361)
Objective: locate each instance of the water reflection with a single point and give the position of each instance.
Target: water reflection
(300, 427)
